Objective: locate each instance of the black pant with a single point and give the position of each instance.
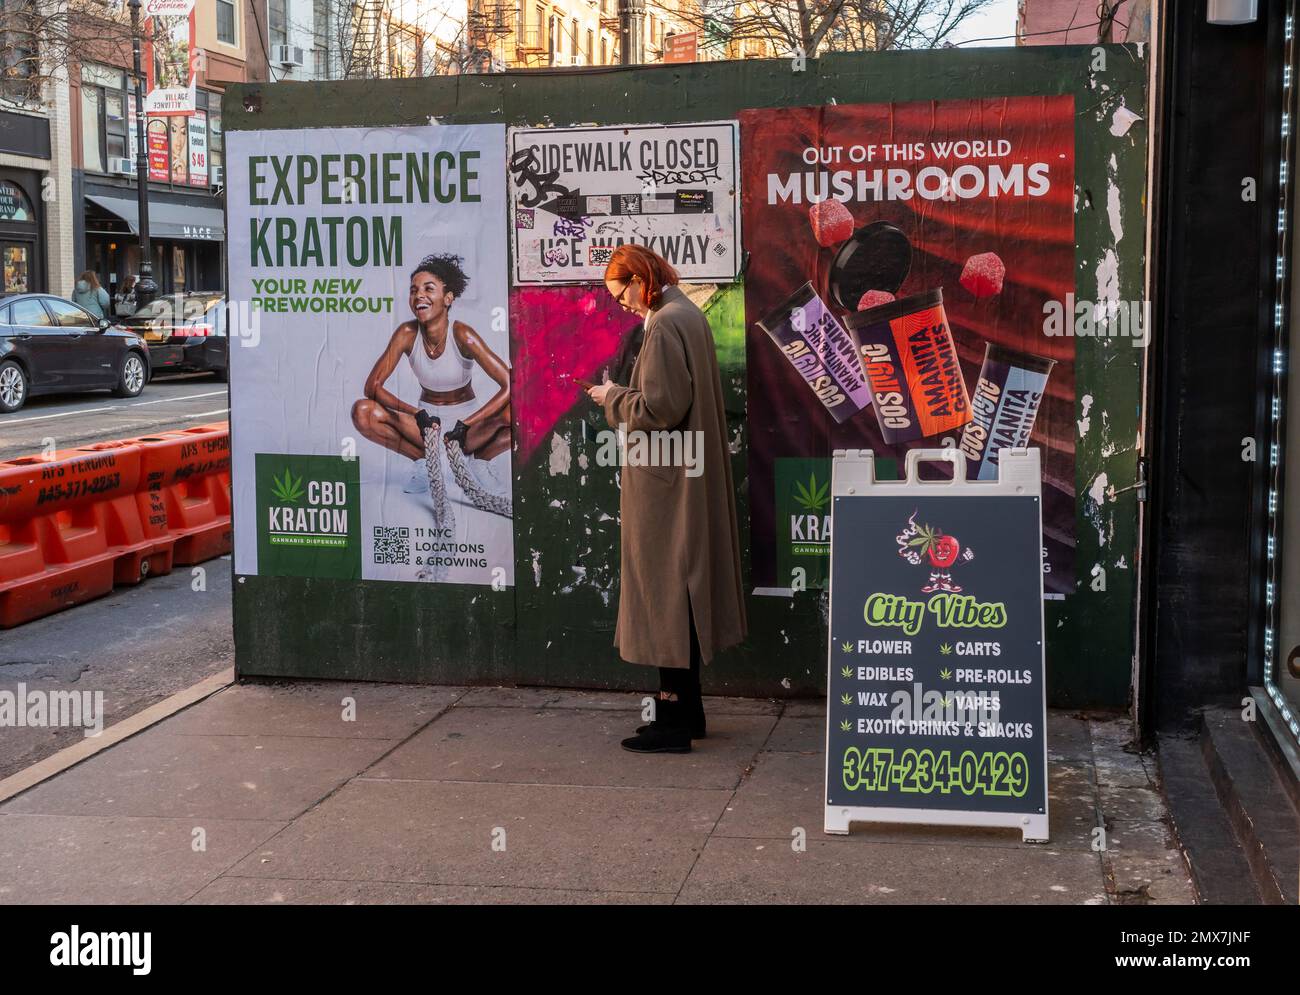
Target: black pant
(684, 682)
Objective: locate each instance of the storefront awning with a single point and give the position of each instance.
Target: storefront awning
(168, 220)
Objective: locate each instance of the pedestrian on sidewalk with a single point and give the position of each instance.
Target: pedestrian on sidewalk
(680, 597)
(90, 295)
(124, 301)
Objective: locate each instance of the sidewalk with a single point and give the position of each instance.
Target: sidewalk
(263, 793)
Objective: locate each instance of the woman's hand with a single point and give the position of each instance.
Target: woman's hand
(598, 392)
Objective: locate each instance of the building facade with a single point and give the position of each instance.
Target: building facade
(36, 198)
(186, 161)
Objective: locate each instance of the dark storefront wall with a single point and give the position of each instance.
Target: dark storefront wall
(177, 265)
(535, 633)
(112, 249)
(1210, 618)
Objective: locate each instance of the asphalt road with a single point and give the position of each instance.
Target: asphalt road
(72, 420)
(137, 646)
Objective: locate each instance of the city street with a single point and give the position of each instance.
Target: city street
(137, 646)
(651, 454)
(73, 420)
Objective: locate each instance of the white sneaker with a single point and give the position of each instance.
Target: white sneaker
(489, 474)
(419, 482)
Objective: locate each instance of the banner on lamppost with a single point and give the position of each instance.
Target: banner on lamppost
(171, 78)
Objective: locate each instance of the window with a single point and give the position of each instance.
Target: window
(19, 62)
(226, 22)
(92, 154)
(103, 123)
(115, 124)
(277, 21)
(573, 38)
(604, 50)
(30, 312)
(69, 315)
(320, 26)
(216, 142)
(591, 41)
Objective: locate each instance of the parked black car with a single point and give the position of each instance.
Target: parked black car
(49, 345)
(185, 332)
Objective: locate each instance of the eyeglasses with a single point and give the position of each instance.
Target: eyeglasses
(623, 293)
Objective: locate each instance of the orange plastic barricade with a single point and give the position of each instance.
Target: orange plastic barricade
(185, 476)
(75, 525)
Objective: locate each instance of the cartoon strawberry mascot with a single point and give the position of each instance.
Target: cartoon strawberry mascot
(924, 541)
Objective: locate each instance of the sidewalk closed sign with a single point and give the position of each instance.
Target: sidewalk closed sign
(936, 707)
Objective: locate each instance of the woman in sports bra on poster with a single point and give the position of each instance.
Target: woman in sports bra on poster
(442, 354)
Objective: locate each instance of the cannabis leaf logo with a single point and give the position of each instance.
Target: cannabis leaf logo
(814, 496)
(846, 647)
(846, 671)
(945, 650)
(846, 699)
(288, 489)
(947, 702)
(945, 674)
(846, 725)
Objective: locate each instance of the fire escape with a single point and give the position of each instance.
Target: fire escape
(366, 54)
(488, 29)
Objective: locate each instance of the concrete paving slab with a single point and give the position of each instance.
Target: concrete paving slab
(278, 891)
(1132, 804)
(437, 832)
(804, 708)
(798, 734)
(783, 792)
(616, 701)
(568, 746)
(380, 711)
(1115, 731)
(757, 871)
(507, 697)
(1068, 737)
(232, 777)
(92, 860)
(1148, 879)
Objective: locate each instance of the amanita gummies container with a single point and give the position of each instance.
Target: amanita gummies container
(910, 360)
(1005, 406)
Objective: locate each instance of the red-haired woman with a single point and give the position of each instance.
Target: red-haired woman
(680, 599)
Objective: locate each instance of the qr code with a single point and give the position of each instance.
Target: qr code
(392, 545)
(599, 255)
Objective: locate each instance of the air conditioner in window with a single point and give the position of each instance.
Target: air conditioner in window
(121, 166)
(287, 56)
(217, 176)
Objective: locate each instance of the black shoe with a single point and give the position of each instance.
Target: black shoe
(668, 714)
(697, 731)
(665, 739)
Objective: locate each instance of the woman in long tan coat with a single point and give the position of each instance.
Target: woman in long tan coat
(680, 599)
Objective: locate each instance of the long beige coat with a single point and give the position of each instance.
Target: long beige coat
(679, 532)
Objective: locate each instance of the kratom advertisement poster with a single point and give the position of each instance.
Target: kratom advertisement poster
(370, 408)
(923, 239)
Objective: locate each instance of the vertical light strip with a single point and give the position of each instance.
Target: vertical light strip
(1278, 369)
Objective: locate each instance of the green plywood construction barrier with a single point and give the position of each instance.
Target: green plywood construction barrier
(556, 625)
